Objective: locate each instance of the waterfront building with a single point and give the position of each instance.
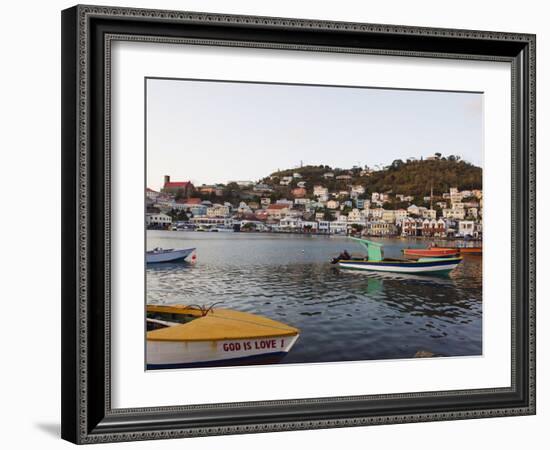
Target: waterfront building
(410, 226)
(289, 224)
(339, 226)
(277, 211)
(265, 201)
(381, 228)
(225, 222)
(323, 226)
(157, 219)
(256, 225)
(328, 175)
(309, 225)
(433, 228)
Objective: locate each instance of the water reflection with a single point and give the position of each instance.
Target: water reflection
(343, 315)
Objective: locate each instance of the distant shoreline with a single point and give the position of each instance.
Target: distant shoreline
(297, 233)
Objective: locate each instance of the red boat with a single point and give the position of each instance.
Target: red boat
(431, 252)
(470, 250)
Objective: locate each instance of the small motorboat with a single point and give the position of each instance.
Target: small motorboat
(375, 261)
(166, 255)
(430, 252)
(184, 336)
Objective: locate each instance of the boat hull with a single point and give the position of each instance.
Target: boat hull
(210, 353)
(153, 257)
(416, 267)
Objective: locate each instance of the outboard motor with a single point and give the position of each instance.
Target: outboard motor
(343, 255)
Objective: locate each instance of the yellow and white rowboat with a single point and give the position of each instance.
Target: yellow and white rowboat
(181, 336)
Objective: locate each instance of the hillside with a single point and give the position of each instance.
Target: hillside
(414, 178)
(417, 177)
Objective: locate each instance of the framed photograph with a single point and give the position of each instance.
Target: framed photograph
(279, 224)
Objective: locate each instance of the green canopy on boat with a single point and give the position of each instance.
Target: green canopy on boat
(374, 249)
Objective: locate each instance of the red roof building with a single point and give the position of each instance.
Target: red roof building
(173, 187)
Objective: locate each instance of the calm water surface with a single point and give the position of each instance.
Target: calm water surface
(343, 315)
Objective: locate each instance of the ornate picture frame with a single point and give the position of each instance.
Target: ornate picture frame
(87, 35)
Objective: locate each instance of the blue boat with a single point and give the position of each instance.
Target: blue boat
(375, 261)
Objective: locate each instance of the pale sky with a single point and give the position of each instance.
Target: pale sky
(214, 132)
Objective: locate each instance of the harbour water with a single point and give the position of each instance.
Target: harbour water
(342, 315)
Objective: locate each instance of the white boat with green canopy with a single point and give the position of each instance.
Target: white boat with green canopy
(374, 261)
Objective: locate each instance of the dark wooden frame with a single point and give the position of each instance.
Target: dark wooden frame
(87, 31)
